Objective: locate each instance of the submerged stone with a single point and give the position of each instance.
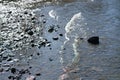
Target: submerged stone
(93, 40)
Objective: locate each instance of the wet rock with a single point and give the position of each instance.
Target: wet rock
(93, 40)
(5, 58)
(25, 12)
(32, 41)
(6, 65)
(55, 38)
(32, 45)
(42, 15)
(38, 54)
(13, 70)
(30, 32)
(33, 18)
(23, 71)
(81, 38)
(44, 43)
(44, 21)
(60, 34)
(38, 74)
(10, 12)
(1, 69)
(27, 29)
(11, 77)
(51, 30)
(9, 59)
(30, 14)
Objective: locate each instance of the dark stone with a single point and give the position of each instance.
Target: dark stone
(81, 38)
(20, 15)
(30, 14)
(55, 38)
(13, 70)
(23, 71)
(38, 74)
(93, 40)
(10, 12)
(30, 32)
(60, 34)
(9, 59)
(44, 21)
(17, 46)
(32, 45)
(33, 18)
(38, 54)
(31, 55)
(42, 15)
(32, 41)
(11, 77)
(5, 58)
(50, 59)
(30, 67)
(27, 29)
(25, 12)
(1, 69)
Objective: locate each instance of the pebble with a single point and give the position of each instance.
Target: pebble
(30, 32)
(93, 40)
(60, 34)
(55, 38)
(1, 69)
(13, 70)
(38, 54)
(10, 12)
(51, 30)
(38, 74)
(25, 12)
(50, 59)
(32, 45)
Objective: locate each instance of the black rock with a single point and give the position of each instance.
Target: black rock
(30, 32)
(10, 12)
(13, 70)
(38, 54)
(38, 74)
(11, 77)
(33, 18)
(32, 45)
(55, 38)
(1, 69)
(50, 59)
(25, 12)
(27, 29)
(42, 15)
(60, 34)
(44, 21)
(51, 30)
(23, 71)
(30, 14)
(93, 40)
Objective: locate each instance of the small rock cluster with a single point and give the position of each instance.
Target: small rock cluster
(20, 29)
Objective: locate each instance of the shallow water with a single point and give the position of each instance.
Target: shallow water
(65, 57)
